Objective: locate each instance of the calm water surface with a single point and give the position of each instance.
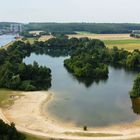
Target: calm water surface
(100, 104)
(5, 39)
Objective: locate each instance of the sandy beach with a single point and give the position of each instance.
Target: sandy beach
(29, 116)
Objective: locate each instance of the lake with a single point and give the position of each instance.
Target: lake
(100, 103)
(5, 39)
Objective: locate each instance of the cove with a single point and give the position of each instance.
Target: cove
(101, 103)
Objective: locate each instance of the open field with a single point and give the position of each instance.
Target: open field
(7, 97)
(101, 36)
(120, 40)
(29, 39)
(129, 45)
(45, 37)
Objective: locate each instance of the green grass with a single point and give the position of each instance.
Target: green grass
(5, 97)
(129, 44)
(86, 134)
(31, 137)
(128, 41)
(30, 39)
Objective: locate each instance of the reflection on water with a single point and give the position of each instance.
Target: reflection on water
(100, 103)
(87, 82)
(136, 105)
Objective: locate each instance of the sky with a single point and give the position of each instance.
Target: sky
(99, 11)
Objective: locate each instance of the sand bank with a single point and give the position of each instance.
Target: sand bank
(29, 116)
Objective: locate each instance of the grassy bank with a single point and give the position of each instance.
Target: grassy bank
(85, 134)
(31, 137)
(7, 97)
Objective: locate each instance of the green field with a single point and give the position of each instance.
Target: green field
(129, 41)
(5, 97)
(129, 44)
(30, 39)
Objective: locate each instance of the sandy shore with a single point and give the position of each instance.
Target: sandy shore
(30, 117)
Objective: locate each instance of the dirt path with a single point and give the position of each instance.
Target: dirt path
(28, 116)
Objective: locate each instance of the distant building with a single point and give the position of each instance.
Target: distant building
(16, 28)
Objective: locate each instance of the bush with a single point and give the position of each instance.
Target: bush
(85, 128)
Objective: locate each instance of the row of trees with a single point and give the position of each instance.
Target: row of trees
(69, 28)
(135, 35)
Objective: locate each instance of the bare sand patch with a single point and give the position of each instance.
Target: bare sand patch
(28, 115)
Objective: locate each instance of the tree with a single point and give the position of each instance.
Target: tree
(135, 93)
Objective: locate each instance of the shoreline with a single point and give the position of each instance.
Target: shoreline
(28, 114)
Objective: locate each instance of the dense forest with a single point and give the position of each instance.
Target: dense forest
(92, 60)
(85, 62)
(70, 28)
(89, 58)
(9, 132)
(14, 74)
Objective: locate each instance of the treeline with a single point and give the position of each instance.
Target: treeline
(135, 35)
(70, 28)
(123, 58)
(63, 46)
(14, 74)
(9, 132)
(135, 93)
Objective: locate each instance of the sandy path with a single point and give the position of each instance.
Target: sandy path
(28, 116)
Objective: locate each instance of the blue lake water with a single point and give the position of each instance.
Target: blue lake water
(102, 103)
(5, 39)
